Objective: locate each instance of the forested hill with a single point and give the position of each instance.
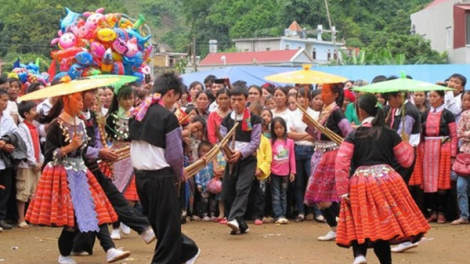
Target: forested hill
(27, 26)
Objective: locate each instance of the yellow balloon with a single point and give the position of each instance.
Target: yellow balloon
(106, 34)
(117, 56)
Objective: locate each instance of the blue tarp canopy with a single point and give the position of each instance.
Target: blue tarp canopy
(256, 74)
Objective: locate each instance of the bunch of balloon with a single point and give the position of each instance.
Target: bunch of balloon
(97, 43)
(28, 74)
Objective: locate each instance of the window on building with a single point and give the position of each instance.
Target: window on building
(314, 54)
(328, 55)
(287, 47)
(335, 55)
(268, 49)
(467, 26)
(448, 36)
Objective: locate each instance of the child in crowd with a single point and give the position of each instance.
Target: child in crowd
(257, 200)
(267, 116)
(29, 171)
(283, 168)
(117, 129)
(269, 102)
(292, 101)
(207, 203)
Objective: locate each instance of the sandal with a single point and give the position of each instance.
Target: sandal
(432, 218)
(23, 225)
(460, 221)
(441, 219)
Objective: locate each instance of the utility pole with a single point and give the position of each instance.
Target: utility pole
(194, 53)
(333, 32)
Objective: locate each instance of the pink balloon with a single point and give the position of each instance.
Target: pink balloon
(97, 49)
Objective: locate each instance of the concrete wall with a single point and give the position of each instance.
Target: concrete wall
(432, 23)
(460, 56)
(258, 45)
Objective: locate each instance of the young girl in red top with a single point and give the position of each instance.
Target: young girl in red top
(282, 168)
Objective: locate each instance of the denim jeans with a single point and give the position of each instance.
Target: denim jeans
(463, 191)
(279, 186)
(303, 157)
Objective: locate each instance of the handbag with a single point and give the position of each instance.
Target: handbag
(461, 164)
(214, 186)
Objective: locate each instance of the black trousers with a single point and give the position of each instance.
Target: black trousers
(257, 200)
(159, 198)
(6, 180)
(66, 239)
(236, 187)
(331, 213)
(381, 250)
(127, 214)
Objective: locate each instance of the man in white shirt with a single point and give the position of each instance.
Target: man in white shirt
(453, 99)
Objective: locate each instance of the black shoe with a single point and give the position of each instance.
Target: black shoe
(5, 225)
(243, 226)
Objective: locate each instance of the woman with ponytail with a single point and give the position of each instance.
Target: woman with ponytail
(321, 189)
(376, 209)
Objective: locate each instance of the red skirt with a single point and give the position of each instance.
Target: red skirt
(52, 203)
(417, 176)
(105, 169)
(380, 208)
(322, 185)
(436, 165)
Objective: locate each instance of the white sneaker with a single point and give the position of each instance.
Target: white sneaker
(360, 260)
(116, 234)
(148, 235)
(1, 229)
(193, 259)
(404, 247)
(66, 260)
(328, 237)
(125, 229)
(206, 218)
(233, 225)
(79, 253)
(114, 255)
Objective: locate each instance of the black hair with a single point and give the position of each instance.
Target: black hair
(307, 94)
(337, 88)
(201, 120)
(260, 91)
(369, 104)
(387, 96)
(462, 78)
(134, 84)
(12, 80)
(34, 87)
(240, 84)
(190, 108)
(379, 78)
(223, 91)
(209, 79)
(239, 91)
(167, 82)
(315, 93)
(273, 124)
(203, 92)
(465, 93)
(194, 84)
(126, 91)
(268, 87)
(56, 108)
(3, 78)
(203, 144)
(25, 107)
(3, 91)
(351, 81)
(441, 93)
(142, 94)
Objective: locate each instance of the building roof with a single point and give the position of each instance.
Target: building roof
(256, 57)
(435, 3)
(295, 27)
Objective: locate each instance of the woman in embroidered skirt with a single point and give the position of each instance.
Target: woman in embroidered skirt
(440, 149)
(68, 194)
(377, 209)
(321, 189)
(117, 128)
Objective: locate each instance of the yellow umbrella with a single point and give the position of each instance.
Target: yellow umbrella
(69, 87)
(305, 76)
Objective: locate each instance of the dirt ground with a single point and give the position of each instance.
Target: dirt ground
(294, 243)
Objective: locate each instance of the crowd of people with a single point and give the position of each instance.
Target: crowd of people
(281, 167)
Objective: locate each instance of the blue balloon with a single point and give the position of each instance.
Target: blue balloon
(139, 75)
(33, 68)
(75, 71)
(121, 33)
(84, 58)
(59, 76)
(140, 40)
(135, 61)
(23, 76)
(68, 20)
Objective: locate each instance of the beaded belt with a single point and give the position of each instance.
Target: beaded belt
(376, 171)
(326, 146)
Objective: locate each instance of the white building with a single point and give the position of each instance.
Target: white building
(294, 39)
(446, 23)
